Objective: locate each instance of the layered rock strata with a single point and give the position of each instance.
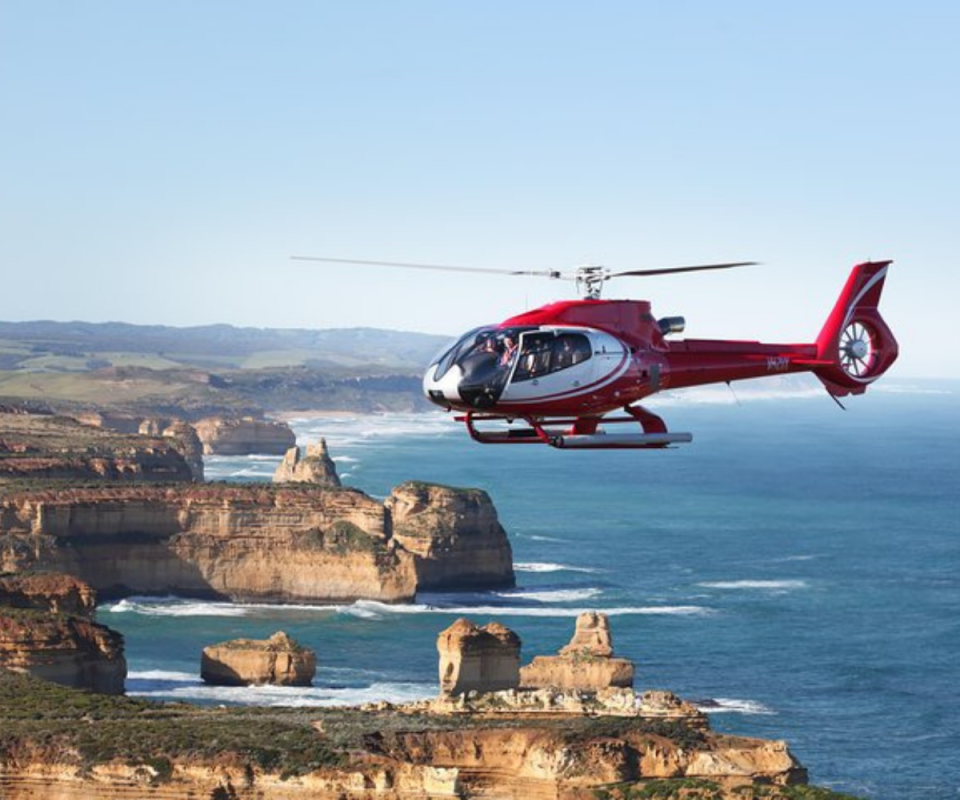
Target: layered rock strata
(586, 664)
(42, 446)
(44, 631)
(456, 534)
(279, 660)
(244, 436)
(48, 591)
(253, 542)
(474, 659)
(174, 751)
(315, 466)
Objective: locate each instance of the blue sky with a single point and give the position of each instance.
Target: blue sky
(161, 160)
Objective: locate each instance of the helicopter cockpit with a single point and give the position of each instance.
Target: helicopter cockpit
(476, 370)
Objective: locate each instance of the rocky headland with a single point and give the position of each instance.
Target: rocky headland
(38, 447)
(511, 744)
(243, 435)
(269, 543)
(46, 630)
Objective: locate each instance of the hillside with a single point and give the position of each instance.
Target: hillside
(202, 370)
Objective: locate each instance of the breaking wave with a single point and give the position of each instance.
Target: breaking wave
(383, 609)
(727, 705)
(538, 566)
(551, 595)
(183, 686)
(782, 585)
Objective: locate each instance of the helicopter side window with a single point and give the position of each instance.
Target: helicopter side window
(546, 353)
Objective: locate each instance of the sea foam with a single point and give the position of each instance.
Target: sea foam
(755, 584)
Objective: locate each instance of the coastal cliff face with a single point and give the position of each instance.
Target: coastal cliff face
(43, 446)
(71, 651)
(455, 532)
(138, 749)
(243, 436)
(48, 591)
(45, 630)
(266, 543)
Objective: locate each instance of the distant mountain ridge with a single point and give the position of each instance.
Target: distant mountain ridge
(225, 345)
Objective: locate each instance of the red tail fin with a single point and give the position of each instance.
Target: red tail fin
(855, 338)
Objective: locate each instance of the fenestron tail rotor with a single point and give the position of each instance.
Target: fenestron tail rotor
(589, 277)
(858, 349)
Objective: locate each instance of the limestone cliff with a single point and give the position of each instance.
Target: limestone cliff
(47, 591)
(455, 532)
(244, 436)
(68, 650)
(315, 466)
(279, 660)
(138, 749)
(43, 446)
(253, 542)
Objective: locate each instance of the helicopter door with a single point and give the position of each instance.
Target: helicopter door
(551, 362)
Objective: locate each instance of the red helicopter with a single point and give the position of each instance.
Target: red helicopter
(563, 368)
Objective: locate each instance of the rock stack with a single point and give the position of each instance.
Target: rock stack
(279, 660)
(478, 659)
(587, 663)
(315, 466)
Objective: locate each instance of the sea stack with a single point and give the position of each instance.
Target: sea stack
(587, 663)
(315, 466)
(279, 660)
(478, 659)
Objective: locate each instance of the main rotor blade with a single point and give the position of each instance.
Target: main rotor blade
(669, 270)
(546, 273)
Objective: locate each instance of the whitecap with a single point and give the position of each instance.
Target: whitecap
(755, 584)
(162, 675)
(727, 705)
(538, 566)
(173, 607)
(529, 611)
(551, 595)
(295, 696)
(345, 459)
(179, 607)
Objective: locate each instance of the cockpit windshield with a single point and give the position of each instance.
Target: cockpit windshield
(490, 347)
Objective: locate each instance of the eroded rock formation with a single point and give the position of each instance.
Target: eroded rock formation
(315, 466)
(44, 631)
(253, 542)
(45, 446)
(188, 443)
(478, 659)
(47, 591)
(455, 532)
(279, 660)
(587, 663)
(244, 436)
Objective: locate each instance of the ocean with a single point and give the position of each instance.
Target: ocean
(795, 571)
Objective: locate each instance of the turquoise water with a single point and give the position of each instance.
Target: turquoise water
(795, 570)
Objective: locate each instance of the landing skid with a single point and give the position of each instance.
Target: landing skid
(578, 433)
